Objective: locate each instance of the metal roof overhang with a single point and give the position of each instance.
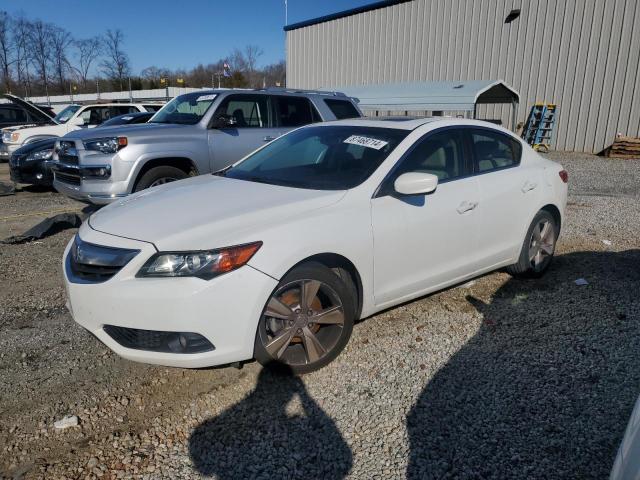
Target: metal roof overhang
(447, 96)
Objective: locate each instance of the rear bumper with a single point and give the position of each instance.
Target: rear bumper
(225, 310)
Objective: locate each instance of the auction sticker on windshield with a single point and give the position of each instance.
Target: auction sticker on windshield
(204, 98)
(366, 142)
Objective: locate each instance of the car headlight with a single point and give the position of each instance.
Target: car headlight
(201, 264)
(105, 145)
(10, 137)
(6, 137)
(40, 155)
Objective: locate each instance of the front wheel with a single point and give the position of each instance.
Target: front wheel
(159, 176)
(538, 247)
(307, 321)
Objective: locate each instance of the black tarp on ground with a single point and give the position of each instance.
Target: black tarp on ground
(7, 189)
(49, 226)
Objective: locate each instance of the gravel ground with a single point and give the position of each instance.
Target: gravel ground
(498, 378)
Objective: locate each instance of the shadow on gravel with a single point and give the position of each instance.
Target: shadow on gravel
(258, 438)
(545, 388)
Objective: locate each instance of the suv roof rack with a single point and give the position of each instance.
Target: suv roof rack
(298, 90)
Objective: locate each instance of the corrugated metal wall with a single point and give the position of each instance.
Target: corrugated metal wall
(583, 55)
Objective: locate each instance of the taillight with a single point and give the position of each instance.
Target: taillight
(564, 176)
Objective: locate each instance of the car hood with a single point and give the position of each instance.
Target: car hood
(142, 129)
(207, 212)
(34, 110)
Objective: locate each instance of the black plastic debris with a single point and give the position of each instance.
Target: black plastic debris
(47, 227)
(7, 189)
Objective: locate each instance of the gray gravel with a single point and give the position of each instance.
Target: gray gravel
(495, 379)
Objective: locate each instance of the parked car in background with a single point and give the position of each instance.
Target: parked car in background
(627, 463)
(195, 133)
(277, 256)
(31, 163)
(14, 114)
(128, 119)
(73, 117)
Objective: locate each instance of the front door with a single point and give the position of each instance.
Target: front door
(423, 242)
(252, 129)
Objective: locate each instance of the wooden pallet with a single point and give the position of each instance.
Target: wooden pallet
(624, 147)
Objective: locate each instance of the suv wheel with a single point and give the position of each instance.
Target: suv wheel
(159, 176)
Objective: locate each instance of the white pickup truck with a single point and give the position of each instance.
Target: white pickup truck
(73, 117)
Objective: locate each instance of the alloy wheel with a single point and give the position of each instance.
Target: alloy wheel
(542, 244)
(302, 322)
(162, 181)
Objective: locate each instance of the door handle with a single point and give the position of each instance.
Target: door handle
(528, 186)
(466, 207)
(268, 138)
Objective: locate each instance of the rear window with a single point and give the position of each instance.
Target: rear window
(494, 150)
(342, 109)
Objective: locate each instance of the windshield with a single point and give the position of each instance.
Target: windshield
(66, 114)
(320, 158)
(186, 109)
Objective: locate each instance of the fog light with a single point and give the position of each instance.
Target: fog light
(159, 341)
(39, 176)
(96, 172)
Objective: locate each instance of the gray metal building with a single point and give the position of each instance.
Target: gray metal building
(583, 55)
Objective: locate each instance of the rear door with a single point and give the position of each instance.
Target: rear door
(291, 112)
(509, 193)
(253, 128)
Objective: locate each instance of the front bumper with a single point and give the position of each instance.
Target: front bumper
(97, 191)
(32, 173)
(5, 153)
(225, 310)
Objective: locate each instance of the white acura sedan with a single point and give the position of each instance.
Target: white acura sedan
(275, 257)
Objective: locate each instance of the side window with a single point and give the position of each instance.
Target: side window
(494, 150)
(249, 111)
(293, 111)
(440, 153)
(123, 110)
(342, 108)
(95, 115)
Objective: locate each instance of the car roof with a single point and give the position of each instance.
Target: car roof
(411, 123)
(274, 91)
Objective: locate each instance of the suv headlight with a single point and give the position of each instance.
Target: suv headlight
(40, 155)
(201, 264)
(106, 144)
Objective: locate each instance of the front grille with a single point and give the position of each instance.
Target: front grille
(16, 160)
(89, 263)
(73, 179)
(159, 341)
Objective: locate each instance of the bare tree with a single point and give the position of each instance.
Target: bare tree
(116, 66)
(87, 52)
(252, 53)
(60, 42)
(6, 50)
(40, 42)
(21, 31)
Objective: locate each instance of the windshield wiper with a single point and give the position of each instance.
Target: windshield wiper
(222, 172)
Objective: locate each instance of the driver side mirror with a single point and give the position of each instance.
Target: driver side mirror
(415, 183)
(224, 121)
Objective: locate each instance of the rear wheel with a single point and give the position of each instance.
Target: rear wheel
(159, 176)
(538, 247)
(307, 321)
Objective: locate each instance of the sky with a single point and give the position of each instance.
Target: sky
(181, 34)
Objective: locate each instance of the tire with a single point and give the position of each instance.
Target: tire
(159, 176)
(299, 336)
(538, 247)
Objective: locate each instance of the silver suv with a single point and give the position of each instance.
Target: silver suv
(195, 133)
